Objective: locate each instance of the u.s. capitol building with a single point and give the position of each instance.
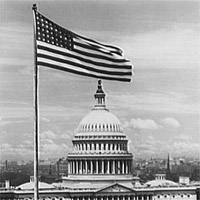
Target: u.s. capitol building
(100, 166)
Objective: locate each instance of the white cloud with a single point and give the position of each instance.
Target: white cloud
(50, 149)
(48, 135)
(149, 146)
(23, 151)
(146, 124)
(171, 122)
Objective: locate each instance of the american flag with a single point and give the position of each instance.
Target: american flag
(63, 49)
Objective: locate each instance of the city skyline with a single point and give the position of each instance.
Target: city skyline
(159, 109)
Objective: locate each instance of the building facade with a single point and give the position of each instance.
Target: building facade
(100, 166)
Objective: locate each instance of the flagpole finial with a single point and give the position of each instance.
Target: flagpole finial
(34, 6)
(99, 82)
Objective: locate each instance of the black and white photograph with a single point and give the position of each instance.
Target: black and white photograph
(99, 100)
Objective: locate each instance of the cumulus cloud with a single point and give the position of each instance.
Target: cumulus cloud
(24, 150)
(170, 122)
(138, 123)
(48, 135)
(50, 149)
(151, 146)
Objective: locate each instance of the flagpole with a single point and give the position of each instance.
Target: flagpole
(36, 122)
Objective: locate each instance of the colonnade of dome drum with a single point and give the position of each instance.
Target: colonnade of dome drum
(100, 144)
(100, 166)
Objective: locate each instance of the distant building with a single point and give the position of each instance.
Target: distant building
(184, 180)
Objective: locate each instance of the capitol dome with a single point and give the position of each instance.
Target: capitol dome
(100, 148)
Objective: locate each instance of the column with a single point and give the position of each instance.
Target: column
(108, 169)
(102, 166)
(118, 169)
(122, 166)
(73, 167)
(113, 166)
(115, 147)
(97, 147)
(126, 167)
(77, 170)
(68, 167)
(102, 147)
(91, 167)
(86, 166)
(97, 166)
(81, 166)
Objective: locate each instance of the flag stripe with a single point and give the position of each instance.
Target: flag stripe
(67, 53)
(95, 48)
(95, 42)
(81, 45)
(99, 56)
(43, 53)
(80, 72)
(73, 67)
(80, 65)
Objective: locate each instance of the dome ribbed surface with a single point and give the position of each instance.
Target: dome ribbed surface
(99, 121)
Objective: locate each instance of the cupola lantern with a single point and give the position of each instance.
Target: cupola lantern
(100, 96)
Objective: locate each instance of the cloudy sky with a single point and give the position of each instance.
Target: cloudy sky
(159, 109)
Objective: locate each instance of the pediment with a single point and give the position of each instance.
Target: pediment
(115, 188)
